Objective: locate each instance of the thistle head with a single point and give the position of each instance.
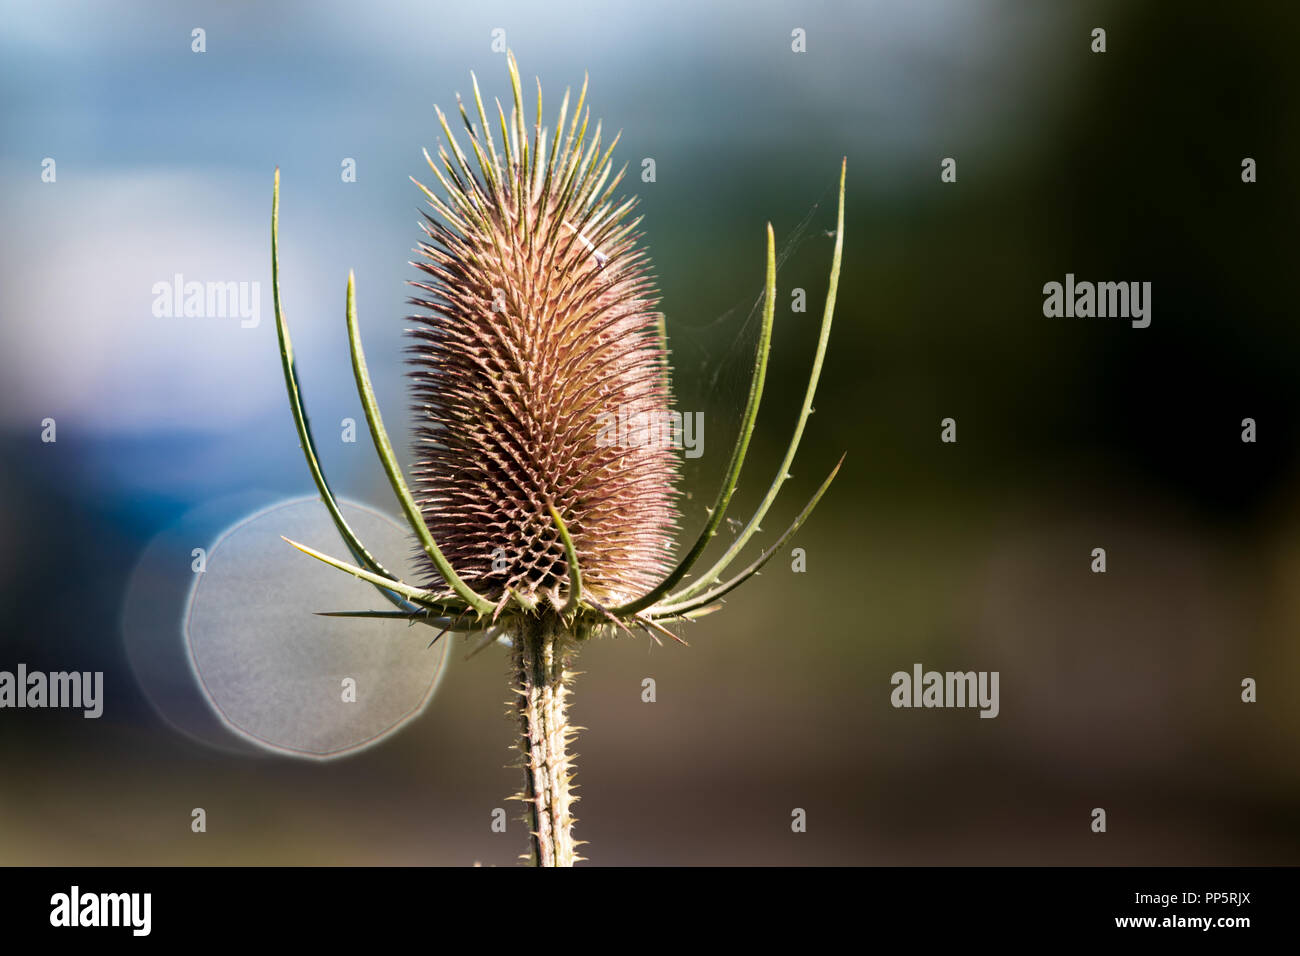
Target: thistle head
(539, 324)
(539, 339)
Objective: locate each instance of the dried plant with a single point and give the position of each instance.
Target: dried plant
(539, 315)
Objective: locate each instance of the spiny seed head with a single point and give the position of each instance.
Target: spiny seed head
(539, 339)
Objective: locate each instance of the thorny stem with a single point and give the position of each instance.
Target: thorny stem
(541, 654)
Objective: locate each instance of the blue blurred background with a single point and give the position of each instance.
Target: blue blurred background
(1118, 690)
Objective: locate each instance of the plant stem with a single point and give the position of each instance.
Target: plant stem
(542, 650)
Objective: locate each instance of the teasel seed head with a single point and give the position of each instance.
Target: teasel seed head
(539, 336)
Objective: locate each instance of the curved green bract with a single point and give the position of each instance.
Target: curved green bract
(445, 622)
(571, 559)
(418, 595)
(385, 449)
(683, 608)
(350, 539)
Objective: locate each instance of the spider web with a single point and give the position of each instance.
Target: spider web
(724, 364)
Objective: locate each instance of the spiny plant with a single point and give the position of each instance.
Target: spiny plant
(539, 323)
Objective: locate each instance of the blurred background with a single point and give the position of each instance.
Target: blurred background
(1119, 691)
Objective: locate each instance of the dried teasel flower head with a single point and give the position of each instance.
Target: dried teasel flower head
(540, 329)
